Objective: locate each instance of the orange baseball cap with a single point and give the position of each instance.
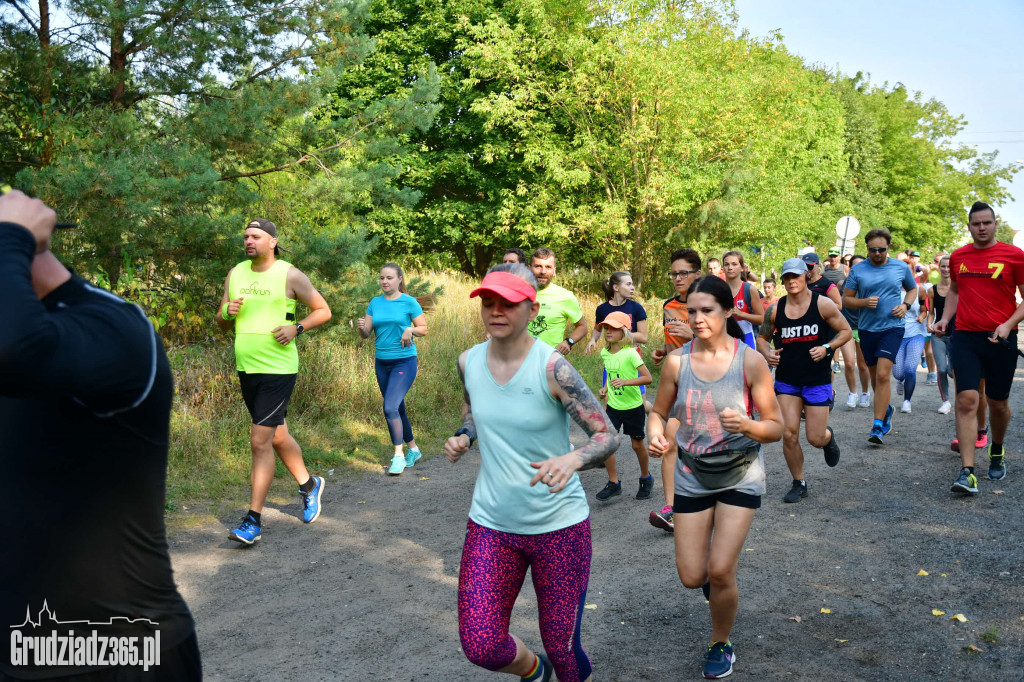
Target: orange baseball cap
(617, 319)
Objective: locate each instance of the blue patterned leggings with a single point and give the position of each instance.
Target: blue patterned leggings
(907, 360)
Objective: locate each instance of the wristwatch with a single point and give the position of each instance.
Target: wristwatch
(299, 329)
(571, 341)
(829, 350)
(465, 432)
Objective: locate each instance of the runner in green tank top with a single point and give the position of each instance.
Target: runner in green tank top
(259, 301)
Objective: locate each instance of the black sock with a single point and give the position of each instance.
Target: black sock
(997, 450)
(982, 432)
(970, 470)
(255, 516)
(308, 486)
(706, 589)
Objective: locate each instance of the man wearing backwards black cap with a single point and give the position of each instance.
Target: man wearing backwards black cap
(85, 407)
(259, 304)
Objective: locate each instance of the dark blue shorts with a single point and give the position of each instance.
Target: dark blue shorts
(884, 344)
(814, 396)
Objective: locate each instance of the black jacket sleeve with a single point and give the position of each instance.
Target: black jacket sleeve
(87, 344)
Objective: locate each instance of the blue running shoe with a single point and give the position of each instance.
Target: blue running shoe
(247, 533)
(966, 483)
(412, 456)
(718, 661)
(875, 438)
(887, 422)
(397, 465)
(311, 501)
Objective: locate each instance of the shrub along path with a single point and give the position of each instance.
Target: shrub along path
(369, 590)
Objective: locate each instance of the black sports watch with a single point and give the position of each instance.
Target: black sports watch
(299, 329)
(571, 341)
(465, 432)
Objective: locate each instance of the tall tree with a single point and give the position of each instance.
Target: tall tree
(464, 168)
(660, 127)
(161, 124)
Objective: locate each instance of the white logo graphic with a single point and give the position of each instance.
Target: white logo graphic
(61, 646)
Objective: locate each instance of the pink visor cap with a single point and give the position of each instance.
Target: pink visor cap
(511, 288)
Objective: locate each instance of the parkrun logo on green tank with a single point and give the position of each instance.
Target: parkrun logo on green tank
(254, 290)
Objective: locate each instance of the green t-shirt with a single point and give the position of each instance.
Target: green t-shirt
(557, 307)
(623, 365)
(265, 306)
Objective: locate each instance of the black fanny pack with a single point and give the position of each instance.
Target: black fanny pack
(722, 469)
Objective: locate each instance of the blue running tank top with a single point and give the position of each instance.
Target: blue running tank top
(519, 423)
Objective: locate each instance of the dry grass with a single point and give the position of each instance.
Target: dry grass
(335, 413)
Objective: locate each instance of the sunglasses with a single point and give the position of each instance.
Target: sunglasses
(878, 249)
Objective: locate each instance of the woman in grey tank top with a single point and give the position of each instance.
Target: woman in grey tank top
(708, 391)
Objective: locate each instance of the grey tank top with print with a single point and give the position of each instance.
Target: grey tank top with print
(697, 406)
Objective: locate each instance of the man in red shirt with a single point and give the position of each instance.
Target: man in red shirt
(986, 275)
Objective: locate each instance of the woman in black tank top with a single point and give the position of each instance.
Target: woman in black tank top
(940, 342)
(804, 322)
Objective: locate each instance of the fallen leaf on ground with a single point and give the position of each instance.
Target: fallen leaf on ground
(749, 549)
(936, 612)
(799, 619)
(971, 647)
(943, 575)
(824, 610)
(960, 617)
(842, 641)
(922, 572)
(363, 502)
(997, 492)
(592, 607)
(425, 478)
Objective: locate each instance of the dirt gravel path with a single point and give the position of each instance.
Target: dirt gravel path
(369, 590)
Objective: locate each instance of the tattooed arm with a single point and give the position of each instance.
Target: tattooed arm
(568, 387)
(456, 446)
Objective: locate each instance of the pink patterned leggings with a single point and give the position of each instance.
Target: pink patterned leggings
(493, 568)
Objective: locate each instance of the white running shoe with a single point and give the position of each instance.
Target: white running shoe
(865, 400)
(945, 407)
(851, 402)
(906, 407)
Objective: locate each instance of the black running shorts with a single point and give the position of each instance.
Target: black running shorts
(683, 504)
(630, 421)
(973, 358)
(267, 396)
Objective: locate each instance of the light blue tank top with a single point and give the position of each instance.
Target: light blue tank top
(516, 424)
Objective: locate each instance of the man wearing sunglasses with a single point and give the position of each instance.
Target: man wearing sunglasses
(883, 289)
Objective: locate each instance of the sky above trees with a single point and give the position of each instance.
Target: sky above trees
(966, 55)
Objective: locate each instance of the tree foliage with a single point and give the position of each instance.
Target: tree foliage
(612, 131)
(163, 126)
